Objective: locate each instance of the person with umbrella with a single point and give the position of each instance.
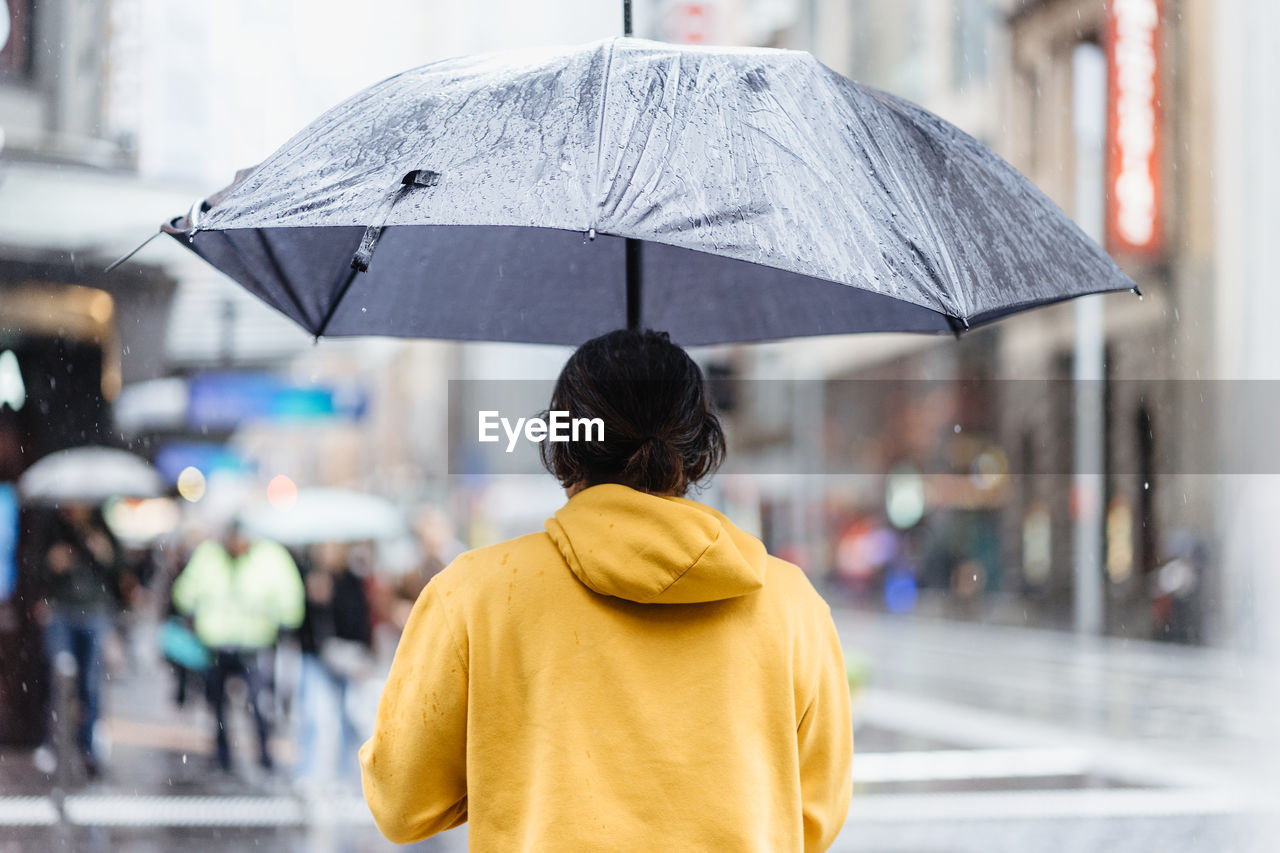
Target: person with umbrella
(240, 596)
(642, 672)
(723, 194)
(80, 569)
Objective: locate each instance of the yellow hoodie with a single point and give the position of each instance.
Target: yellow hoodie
(640, 677)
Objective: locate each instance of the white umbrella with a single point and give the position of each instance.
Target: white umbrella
(90, 474)
(325, 515)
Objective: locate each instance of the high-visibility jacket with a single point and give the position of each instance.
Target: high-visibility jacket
(242, 602)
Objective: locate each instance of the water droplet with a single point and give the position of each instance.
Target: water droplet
(1146, 486)
(957, 429)
(184, 758)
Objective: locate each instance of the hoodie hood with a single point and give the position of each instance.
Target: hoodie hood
(655, 550)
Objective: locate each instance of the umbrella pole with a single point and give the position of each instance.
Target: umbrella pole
(633, 284)
(633, 246)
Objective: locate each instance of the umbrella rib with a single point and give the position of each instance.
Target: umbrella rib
(278, 269)
(337, 299)
(604, 100)
(956, 296)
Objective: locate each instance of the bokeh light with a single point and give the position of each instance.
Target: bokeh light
(904, 501)
(282, 492)
(191, 483)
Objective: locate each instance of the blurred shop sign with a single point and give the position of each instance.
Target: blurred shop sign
(683, 22)
(8, 540)
(223, 401)
(226, 400)
(205, 457)
(1134, 128)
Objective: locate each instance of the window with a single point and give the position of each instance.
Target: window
(969, 42)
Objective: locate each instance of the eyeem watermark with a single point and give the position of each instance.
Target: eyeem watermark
(557, 426)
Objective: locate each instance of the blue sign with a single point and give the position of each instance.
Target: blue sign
(177, 455)
(226, 400)
(8, 540)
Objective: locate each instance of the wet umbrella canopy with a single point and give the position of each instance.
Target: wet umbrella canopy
(326, 515)
(90, 475)
(720, 194)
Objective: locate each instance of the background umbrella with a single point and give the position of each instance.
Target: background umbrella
(720, 194)
(90, 474)
(326, 515)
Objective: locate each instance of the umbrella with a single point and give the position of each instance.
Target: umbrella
(720, 194)
(90, 475)
(325, 515)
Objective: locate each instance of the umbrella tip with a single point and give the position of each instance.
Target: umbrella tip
(1136, 291)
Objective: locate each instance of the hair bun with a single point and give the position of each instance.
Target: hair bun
(656, 461)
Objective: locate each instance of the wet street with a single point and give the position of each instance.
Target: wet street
(977, 738)
(968, 738)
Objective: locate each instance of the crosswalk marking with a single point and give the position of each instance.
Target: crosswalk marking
(960, 764)
(160, 811)
(27, 811)
(1050, 805)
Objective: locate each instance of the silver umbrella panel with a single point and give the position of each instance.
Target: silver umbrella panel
(720, 194)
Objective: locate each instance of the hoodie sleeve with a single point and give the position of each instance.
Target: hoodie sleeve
(826, 748)
(414, 766)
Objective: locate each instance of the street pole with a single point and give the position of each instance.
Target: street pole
(1089, 86)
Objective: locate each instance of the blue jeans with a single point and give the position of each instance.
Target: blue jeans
(328, 741)
(81, 634)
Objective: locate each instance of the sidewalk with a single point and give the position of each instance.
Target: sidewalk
(1038, 740)
(160, 789)
(1205, 705)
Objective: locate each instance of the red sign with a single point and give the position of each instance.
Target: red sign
(1135, 220)
(688, 23)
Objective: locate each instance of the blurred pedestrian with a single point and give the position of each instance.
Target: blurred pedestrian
(641, 676)
(80, 571)
(240, 594)
(439, 548)
(337, 652)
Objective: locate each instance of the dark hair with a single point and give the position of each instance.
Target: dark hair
(660, 434)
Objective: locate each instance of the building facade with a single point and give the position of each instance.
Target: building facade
(1116, 518)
